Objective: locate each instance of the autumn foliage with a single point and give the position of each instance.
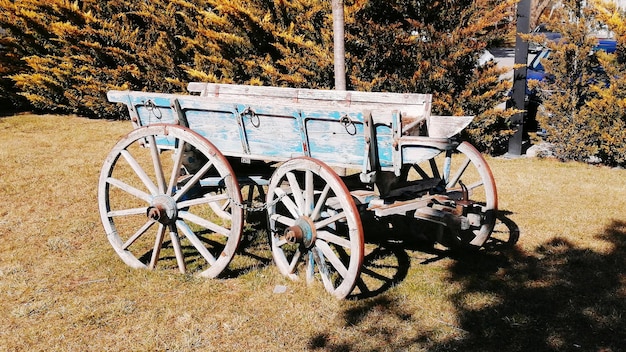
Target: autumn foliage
(584, 97)
(63, 56)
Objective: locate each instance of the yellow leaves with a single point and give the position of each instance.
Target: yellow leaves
(38, 100)
(209, 17)
(437, 75)
(255, 81)
(585, 100)
(159, 44)
(30, 14)
(201, 76)
(36, 79)
(269, 69)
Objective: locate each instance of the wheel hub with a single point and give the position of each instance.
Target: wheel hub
(302, 232)
(163, 209)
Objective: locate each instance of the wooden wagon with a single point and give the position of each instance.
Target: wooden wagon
(188, 172)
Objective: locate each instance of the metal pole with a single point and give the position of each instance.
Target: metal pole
(519, 77)
(340, 50)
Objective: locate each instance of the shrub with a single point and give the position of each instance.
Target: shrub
(433, 47)
(583, 98)
(72, 53)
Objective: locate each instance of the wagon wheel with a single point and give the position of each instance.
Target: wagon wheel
(150, 188)
(315, 227)
(469, 184)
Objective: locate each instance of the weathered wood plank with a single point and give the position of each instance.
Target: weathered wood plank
(295, 95)
(447, 126)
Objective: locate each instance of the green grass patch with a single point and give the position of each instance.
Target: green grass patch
(561, 287)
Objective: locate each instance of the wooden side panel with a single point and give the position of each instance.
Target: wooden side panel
(447, 126)
(336, 137)
(216, 122)
(153, 109)
(412, 106)
(272, 131)
(272, 123)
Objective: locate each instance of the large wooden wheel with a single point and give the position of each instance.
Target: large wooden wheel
(468, 190)
(155, 209)
(315, 228)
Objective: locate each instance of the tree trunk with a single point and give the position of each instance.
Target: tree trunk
(339, 51)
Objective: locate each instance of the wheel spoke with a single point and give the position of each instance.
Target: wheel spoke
(434, 168)
(329, 237)
(138, 234)
(320, 202)
(309, 193)
(289, 204)
(285, 220)
(281, 241)
(126, 212)
(196, 177)
(158, 242)
(294, 260)
(206, 199)
(325, 222)
(156, 161)
(475, 185)
(453, 181)
(323, 269)
(180, 258)
(332, 257)
(204, 223)
(129, 189)
(310, 267)
(420, 171)
(196, 242)
(178, 162)
(296, 192)
(140, 172)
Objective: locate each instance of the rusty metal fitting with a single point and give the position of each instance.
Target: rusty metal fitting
(163, 209)
(293, 234)
(154, 212)
(302, 232)
(464, 202)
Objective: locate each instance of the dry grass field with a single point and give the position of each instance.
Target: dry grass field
(560, 287)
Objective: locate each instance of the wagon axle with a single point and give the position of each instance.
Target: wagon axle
(163, 210)
(302, 232)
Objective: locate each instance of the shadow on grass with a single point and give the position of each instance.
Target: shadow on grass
(254, 249)
(559, 297)
(388, 264)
